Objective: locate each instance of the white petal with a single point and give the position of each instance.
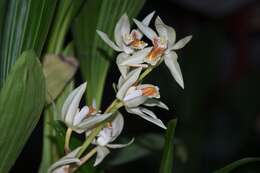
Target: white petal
(109, 134)
(102, 152)
(181, 43)
(122, 28)
(161, 28)
(148, 112)
(154, 102)
(120, 82)
(106, 39)
(117, 126)
(171, 34)
(148, 32)
(104, 136)
(80, 115)
(120, 145)
(71, 104)
(130, 79)
(146, 21)
(122, 68)
(66, 160)
(90, 122)
(135, 102)
(132, 93)
(138, 111)
(137, 58)
(171, 62)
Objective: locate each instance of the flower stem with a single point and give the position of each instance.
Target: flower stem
(115, 105)
(145, 73)
(85, 158)
(67, 140)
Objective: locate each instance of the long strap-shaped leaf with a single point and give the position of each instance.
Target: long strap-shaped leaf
(21, 102)
(167, 159)
(236, 164)
(93, 53)
(24, 24)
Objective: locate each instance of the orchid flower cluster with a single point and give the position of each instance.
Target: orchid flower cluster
(135, 61)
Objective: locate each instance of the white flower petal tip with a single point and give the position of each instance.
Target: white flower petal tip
(102, 152)
(181, 43)
(70, 106)
(146, 30)
(146, 21)
(64, 162)
(171, 62)
(115, 146)
(107, 40)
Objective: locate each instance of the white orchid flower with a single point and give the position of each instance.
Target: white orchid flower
(134, 95)
(164, 46)
(80, 120)
(63, 164)
(107, 135)
(127, 41)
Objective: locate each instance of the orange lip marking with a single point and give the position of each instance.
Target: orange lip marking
(149, 91)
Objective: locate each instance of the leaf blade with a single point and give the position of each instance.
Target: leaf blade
(234, 165)
(23, 93)
(167, 159)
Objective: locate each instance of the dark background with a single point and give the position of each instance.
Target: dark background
(219, 109)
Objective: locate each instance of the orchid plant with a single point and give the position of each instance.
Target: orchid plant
(136, 59)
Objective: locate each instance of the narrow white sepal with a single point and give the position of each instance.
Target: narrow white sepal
(181, 43)
(146, 21)
(122, 68)
(70, 106)
(66, 160)
(114, 146)
(154, 102)
(139, 112)
(130, 79)
(171, 62)
(90, 122)
(148, 32)
(106, 39)
(102, 152)
(137, 57)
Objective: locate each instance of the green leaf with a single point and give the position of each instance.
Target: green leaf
(24, 25)
(21, 102)
(94, 55)
(167, 159)
(66, 12)
(58, 71)
(236, 164)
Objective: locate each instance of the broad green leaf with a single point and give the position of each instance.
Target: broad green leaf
(21, 102)
(58, 71)
(167, 159)
(94, 55)
(236, 164)
(24, 25)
